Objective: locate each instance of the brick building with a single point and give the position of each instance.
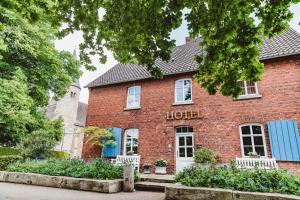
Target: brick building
(170, 118)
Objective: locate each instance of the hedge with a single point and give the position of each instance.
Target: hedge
(272, 181)
(60, 155)
(97, 169)
(7, 160)
(5, 151)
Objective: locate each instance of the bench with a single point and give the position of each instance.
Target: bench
(121, 160)
(252, 163)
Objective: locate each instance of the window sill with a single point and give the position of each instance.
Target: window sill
(133, 108)
(182, 103)
(256, 96)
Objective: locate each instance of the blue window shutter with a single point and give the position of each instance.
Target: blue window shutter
(113, 150)
(284, 140)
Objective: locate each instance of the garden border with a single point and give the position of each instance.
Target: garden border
(102, 186)
(179, 192)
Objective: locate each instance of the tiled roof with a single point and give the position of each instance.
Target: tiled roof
(182, 59)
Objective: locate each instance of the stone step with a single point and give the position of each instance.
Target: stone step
(151, 186)
(158, 178)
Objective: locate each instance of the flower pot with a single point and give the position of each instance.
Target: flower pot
(147, 170)
(160, 170)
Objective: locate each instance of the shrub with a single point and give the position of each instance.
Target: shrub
(161, 163)
(36, 144)
(7, 160)
(277, 181)
(205, 156)
(59, 155)
(5, 151)
(97, 169)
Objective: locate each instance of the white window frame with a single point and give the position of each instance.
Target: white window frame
(252, 138)
(185, 134)
(134, 106)
(125, 140)
(246, 95)
(175, 94)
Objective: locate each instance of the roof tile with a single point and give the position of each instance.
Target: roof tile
(182, 59)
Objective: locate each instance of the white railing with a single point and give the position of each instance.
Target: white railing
(252, 163)
(121, 160)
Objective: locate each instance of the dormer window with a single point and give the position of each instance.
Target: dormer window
(183, 91)
(133, 97)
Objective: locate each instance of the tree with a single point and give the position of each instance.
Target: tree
(15, 105)
(29, 44)
(98, 137)
(138, 31)
(31, 68)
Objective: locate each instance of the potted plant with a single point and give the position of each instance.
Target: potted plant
(147, 167)
(161, 166)
(253, 155)
(205, 158)
(129, 153)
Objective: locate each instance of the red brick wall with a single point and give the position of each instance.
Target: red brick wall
(221, 116)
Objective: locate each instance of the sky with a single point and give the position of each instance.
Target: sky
(72, 41)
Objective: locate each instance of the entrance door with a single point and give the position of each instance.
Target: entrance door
(184, 147)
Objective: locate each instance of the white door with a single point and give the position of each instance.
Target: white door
(184, 150)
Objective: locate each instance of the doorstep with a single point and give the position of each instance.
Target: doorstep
(152, 186)
(154, 182)
(157, 178)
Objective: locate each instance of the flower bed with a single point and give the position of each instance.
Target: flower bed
(97, 169)
(272, 181)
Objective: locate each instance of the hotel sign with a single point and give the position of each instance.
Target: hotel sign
(188, 114)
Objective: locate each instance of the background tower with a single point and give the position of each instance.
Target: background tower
(73, 113)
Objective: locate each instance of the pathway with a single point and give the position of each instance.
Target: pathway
(10, 191)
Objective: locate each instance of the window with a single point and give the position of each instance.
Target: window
(183, 91)
(133, 97)
(184, 129)
(253, 139)
(131, 141)
(184, 142)
(73, 94)
(249, 88)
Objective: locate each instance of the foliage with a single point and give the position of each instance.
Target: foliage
(59, 155)
(274, 181)
(30, 46)
(139, 32)
(97, 169)
(5, 151)
(30, 69)
(99, 137)
(18, 114)
(161, 163)
(15, 107)
(253, 154)
(38, 143)
(7, 160)
(206, 156)
(137, 176)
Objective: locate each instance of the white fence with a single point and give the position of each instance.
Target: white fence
(260, 163)
(121, 160)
